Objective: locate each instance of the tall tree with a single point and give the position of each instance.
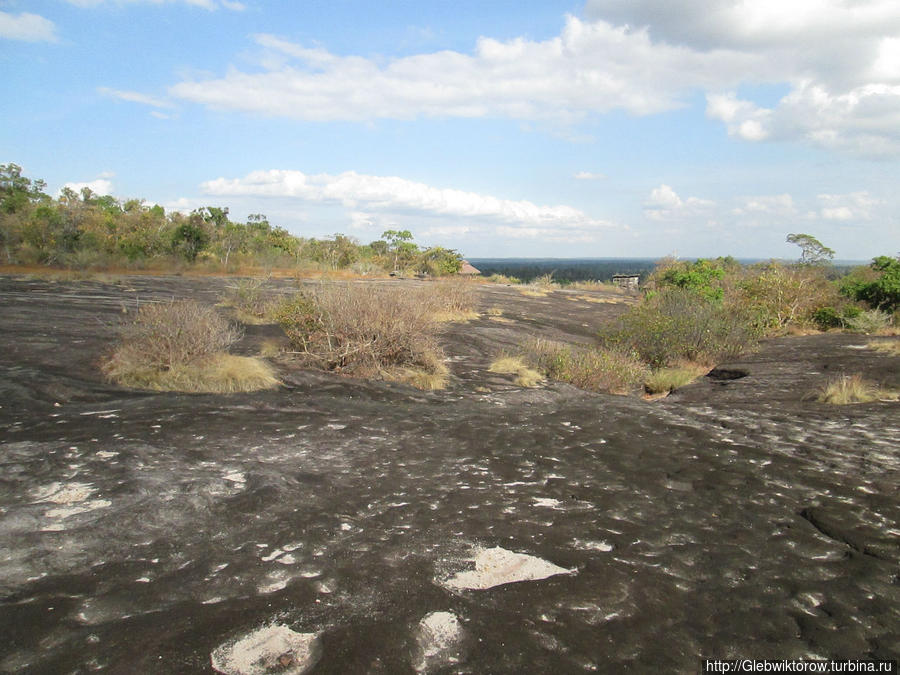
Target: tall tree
(813, 251)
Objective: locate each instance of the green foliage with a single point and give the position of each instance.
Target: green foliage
(775, 295)
(880, 287)
(189, 239)
(813, 252)
(16, 191)
(869, 322)
(681, 325)
(830, 317)
(702, 276)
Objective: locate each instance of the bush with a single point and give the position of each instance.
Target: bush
(593, 369)
(879, 286)
(250, 299)
(869, 322)
(676, 325)
(453, 300)
(829, 317)
(179, 346)
(776, 295)
(665, 380)
(363, 330)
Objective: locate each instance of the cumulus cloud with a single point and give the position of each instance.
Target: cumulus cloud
(779, 205)
(589, 175)
(99, 186)
(27, 27)
(665, 204)
(588, 68)
(841, 61)
(391, 195)
(852, 206)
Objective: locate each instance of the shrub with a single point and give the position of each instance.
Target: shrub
(363, 330)
(250, 299)
(503, 279)
(879, 286)
(179, 346)
(777, 295)
(593, 369)
(676, 325)
(869, 322)
(452, 300)
(830, 317)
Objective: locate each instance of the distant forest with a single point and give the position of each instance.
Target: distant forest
(84, 230)
(564, 270)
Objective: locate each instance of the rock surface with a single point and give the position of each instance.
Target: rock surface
(497, 566)
(736, 518)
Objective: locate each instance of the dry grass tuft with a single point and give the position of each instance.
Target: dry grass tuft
(665, 380)
(891, 347)
(494, 311)
(216, 374)
(514, 365)
(848, 389)
(534, 292)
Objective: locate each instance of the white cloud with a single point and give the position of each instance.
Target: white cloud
(777, 205)
(135, 97)
(665, 204)
(27, 27)
(397, 197)
(588, 175)
(99, 186)
(204, 4)
(852, 206)
(589, 67)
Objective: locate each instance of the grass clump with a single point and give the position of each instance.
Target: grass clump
(180, 346)
(514, 365)
(848, 389)
(366, 331)
(665, 380)
(891, 347)
(596, 369)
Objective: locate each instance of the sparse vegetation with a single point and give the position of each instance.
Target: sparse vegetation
(891, 347)
(180, 346)
(453, 300)
(591, 368)
(664, 380)
(388, 333)
(251, 300)
(514, 365)
(848, 389)
(870, 322)
(676, 325)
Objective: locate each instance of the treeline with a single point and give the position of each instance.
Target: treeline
(563, 271)
(86, 230)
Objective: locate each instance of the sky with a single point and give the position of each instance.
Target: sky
(499, 128)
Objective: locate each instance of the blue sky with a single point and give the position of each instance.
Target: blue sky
(568, 129)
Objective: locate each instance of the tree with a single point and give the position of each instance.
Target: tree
(400, 247)
(882, 291)
(813, 252)
(190, 238)
(17, 191)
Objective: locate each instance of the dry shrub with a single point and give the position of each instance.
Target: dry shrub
(590, 368)
(514, 365)
(453, 300)
(597, 286)
(179, 346)
(364, 330)
(848, 389)
(165, 335)
(870, 322)
(251, 300)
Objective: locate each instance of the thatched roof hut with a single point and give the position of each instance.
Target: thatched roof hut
(468, 270)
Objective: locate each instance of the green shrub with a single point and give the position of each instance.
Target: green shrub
(593, 369)
(776, 295)
(677, 325)
(878, 286)
(830, 317)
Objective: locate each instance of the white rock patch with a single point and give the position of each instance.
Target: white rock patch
(497, 566)
(274, 648)
(439, 638)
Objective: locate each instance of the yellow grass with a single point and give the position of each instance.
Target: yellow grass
(455, 316)
(217, 374)
(433, 378)
(513, 365)
(848, 389)
(891, 347)
(533, 292)
(494, 311)
(664, 380)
